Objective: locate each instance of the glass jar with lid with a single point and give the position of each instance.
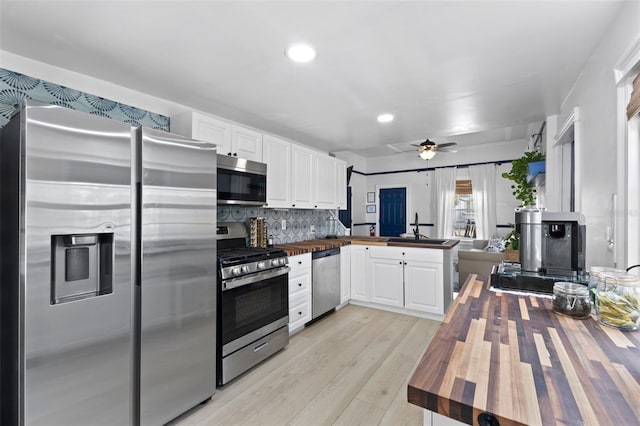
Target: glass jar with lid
(596, 274)
(571, 299)
(618, 300)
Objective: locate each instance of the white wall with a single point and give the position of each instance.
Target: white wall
(594, 93)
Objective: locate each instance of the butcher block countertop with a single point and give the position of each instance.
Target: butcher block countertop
(301, 247)
(514, 357)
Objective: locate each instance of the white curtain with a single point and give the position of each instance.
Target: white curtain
(444, 194)
(483, 186)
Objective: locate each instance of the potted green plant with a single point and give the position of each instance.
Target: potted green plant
(522, 191)
(512, 244)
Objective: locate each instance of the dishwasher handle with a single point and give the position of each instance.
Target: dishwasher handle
(324, 253)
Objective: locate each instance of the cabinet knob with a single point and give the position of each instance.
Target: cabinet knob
(405, 263)
(299, 284)
(228, 153)
(293, 205)
(400, 263)
(235, 154)
(299, 262)
(315, 207)
(366, 248)
(299, 313)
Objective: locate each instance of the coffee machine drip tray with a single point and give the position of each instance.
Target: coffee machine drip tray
(506, 276)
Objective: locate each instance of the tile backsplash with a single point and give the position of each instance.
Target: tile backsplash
(298, 222)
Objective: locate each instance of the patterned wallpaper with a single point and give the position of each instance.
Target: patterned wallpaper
(14, 87)
(298, 222)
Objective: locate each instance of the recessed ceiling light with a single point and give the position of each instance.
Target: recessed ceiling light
(300, 53)
(385, 118)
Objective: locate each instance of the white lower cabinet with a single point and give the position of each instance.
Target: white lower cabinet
(434, 419)
(345, 273)
(423, 286)
(387, 281)
(359, 268)
(299, 291)
(407, 278)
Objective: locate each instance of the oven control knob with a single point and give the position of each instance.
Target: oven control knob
(235, 271)
(245, 269)
(274, 262)
(282, 261)
(261, 265)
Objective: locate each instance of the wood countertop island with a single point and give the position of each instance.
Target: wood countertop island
(512, 356)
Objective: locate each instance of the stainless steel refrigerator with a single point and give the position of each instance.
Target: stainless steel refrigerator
(107, 298)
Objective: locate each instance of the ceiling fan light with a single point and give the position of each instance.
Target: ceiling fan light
(427, 154)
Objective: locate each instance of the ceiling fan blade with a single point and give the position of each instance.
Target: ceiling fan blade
(447, 150)
(444, 145)
(413, 144)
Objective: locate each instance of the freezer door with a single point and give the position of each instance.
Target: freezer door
(178, 275)
(73, 298)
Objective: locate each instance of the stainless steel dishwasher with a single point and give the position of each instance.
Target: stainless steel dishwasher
(325, 284)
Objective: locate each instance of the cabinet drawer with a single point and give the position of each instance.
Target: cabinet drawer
(299, 263)
(423, 254)
(299, 283)
(384, 252)
(299, 311)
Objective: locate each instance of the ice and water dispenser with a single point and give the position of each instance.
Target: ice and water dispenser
(82, 266)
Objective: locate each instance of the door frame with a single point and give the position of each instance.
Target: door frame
(406, 210)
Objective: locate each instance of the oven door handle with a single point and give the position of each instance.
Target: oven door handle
(254, 278)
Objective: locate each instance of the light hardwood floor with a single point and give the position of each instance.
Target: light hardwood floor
(350, 368)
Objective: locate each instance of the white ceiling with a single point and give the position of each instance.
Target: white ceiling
(443, 68)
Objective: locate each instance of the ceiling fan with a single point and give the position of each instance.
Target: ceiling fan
(427, 149)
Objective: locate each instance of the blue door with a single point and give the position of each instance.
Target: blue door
(393, 211)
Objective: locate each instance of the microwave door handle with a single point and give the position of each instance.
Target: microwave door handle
(254, 278)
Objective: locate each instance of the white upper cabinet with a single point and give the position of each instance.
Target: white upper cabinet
(230, 139)
(212, 130)
(324, 170)
(277, 154)
(245, 143)
(204, 128)
(302, 159)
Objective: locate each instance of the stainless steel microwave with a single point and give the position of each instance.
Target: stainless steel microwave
(241, 181)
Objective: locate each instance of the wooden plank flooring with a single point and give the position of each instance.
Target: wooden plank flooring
(350, 368)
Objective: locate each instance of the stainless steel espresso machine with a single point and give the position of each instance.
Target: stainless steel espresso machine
(551, 243)
(563, 243)
(552, 248)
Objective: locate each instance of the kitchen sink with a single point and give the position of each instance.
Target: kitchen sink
(414, 241)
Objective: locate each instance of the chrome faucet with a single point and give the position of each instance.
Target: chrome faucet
(416, 231)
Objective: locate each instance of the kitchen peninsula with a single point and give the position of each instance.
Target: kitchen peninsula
(512, 358)
(402, 275)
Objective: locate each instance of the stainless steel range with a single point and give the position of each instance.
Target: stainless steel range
(253, 302)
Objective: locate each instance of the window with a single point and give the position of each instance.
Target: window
(464, 217)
